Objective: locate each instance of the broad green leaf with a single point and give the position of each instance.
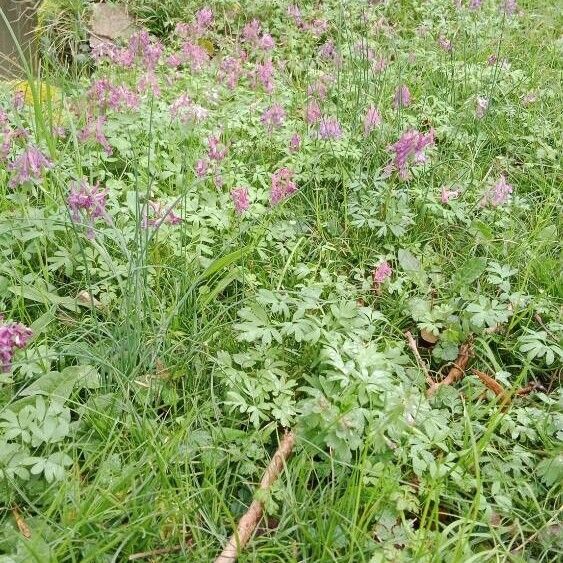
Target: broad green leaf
(469, 272)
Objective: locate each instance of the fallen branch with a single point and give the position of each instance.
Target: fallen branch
(527, 389)
(457, 371)
(493, 385)
(247, 524)
(412, 345)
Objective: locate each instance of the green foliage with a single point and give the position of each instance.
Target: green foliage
(167, 357)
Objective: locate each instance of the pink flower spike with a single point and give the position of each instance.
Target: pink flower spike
(446, 195)
(372, 120)
(381, 273)
(498, 194)
(402, 97)
(12, 336)
(294, 143)
(445, 44)
(240, 199)
(329, 129)
(273, 117)
(30, 165)
(201, 168)
(481, 106)
(282, 185)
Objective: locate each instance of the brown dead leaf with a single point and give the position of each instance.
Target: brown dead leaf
(85, 298)
(21, 523)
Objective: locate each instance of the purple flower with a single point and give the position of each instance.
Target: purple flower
(201, 167)
(183, 109)
(411, 145)
(230, 71)
(329, 128)
(196, 56)
(266, 42)
(481, 106)
(328, 51)
(498, 194)
(273, 117)
(251, 31)
(93, 131)
(475, 4)
(204, 18)
(149, 81)
(445, 43)
(312, 112)
(217, 151)
(159, 214)
(264, 73)
(12, 336)
(294, 12)
(88, 201)
(529, 98)
(372, 120)
(240, 199)
(295, 143)
(174, 60)
(381, 273)
(282, 185)
(446, 195)
(18, 100)
(402, 97)
(317, 27)
(29, 165)
(509, 7)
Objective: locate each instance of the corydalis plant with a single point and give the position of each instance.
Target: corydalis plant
(86, 202)
(29, 165)
(12, 336)
(409, 148)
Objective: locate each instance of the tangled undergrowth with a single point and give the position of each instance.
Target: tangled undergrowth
(236, 228)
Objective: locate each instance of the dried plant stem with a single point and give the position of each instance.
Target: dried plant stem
(247, 524)
(493, 385)
(412, 345)
(457, 371)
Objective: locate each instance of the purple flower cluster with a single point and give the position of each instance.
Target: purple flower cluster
(282, 185)
(108, 95)
(330, 129)
(372, 120)
(240, 199)
(12, 336)
(142, 48)
(87, 201)
(498, 194)
(94, 131)
(402, 97)
(381, 273)
(183, 109)
(273, 117)
(410, 146)
(156, 214)
(29, 165)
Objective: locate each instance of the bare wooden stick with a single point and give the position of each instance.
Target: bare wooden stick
(457, 371)
(247, 524)
(494, 386)
(412, 345)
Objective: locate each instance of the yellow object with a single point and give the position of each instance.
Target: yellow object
(46, 92)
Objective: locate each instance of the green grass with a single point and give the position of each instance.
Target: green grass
(159, 458)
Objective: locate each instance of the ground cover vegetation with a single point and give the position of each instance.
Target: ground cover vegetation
(335, 218)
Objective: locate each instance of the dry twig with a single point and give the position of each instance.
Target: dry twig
(412, 345)
(493, 385)
(457, 371)
(250, 519)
